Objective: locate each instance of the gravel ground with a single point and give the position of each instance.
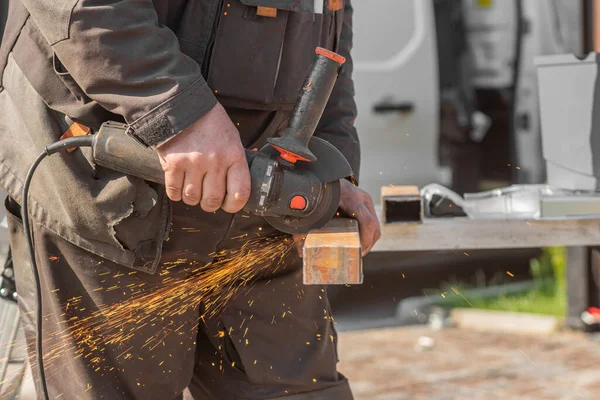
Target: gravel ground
(384, 365)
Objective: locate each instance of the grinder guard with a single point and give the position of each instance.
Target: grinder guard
(318, 182)
(331, 164)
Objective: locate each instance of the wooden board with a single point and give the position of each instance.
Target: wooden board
(332, 255)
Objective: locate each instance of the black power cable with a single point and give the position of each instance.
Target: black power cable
(82, 141)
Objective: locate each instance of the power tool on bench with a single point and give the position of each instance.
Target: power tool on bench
(295, 178)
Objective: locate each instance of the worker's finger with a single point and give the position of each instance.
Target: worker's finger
(192, 187)
(359, 205)
(377, 235)
(351, 197)
(375, 223)
(366, 227)
(238, 187)
(213, 189)
(174, 178)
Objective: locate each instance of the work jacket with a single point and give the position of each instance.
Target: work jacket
(157, 66)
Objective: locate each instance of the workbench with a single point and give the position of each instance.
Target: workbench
(470, 234)
(581, 237)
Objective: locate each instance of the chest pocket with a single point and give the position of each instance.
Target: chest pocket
(260, 61)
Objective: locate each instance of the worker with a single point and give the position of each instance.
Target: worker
(198, 81)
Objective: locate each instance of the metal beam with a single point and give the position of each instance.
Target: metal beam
(578, 281)
(332, 255)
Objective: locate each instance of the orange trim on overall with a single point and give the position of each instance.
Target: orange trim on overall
(335, 5)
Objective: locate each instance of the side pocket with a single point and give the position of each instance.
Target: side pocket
(13, 210)
(67, 79)
(246, 54)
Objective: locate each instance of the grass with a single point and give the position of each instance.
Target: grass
(547, 296)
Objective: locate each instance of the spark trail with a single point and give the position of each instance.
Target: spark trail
(213, 285)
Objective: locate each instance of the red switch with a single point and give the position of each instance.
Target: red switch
(298, 203)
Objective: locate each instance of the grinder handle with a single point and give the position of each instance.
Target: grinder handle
(309, 107)
(114, 149)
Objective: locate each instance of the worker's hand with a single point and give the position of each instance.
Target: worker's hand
(206, 164)
(358, 204)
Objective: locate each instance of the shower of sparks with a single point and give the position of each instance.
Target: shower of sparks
(461, 295)
(213, 285)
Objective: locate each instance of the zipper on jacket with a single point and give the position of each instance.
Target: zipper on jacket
(211, 41)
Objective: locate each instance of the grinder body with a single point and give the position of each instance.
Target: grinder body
(295, 179)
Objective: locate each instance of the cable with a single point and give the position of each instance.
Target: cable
(82, 141)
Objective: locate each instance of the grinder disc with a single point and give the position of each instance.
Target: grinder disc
(317, 219)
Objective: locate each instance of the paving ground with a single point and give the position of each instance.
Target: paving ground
(384, 365)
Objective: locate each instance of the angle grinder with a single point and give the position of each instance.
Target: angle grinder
(295, 178)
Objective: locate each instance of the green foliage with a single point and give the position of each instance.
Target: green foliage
(533, 302)
(549, 271)
(547, 296)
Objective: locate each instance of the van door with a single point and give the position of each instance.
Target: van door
(397, 94)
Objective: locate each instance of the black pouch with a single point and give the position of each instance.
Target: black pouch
(259, 61)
